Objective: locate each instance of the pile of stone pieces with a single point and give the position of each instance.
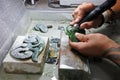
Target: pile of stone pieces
(31, 47)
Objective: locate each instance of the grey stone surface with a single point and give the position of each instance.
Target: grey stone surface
(11, 11)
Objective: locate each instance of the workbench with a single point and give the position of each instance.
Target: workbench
(101, 69)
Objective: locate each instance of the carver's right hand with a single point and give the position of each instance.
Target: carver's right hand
(81, 11)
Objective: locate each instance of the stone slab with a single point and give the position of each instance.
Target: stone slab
(71, 65)
(12, 65)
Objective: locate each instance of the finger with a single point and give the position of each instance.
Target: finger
(78, 14)
(80, 11)
(72, 22)
(81, 37)
(87, 6)
(87, 25)
(76, 20)
(77, 45)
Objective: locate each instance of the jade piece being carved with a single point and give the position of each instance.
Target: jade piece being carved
(70, 31)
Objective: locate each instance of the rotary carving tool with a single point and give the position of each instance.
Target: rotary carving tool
(71, 30)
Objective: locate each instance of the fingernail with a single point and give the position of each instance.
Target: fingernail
(77, 19)
(76, 34)
(81, 26)
(71, 23)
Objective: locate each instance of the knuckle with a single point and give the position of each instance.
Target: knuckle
(91, 35)
(84, 3)
(75, 12)
(100, 35)
(91, 4)
(81, 7)
(91, 24)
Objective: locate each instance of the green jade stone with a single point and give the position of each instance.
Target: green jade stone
(70, 31)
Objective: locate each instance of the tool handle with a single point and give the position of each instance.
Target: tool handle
(97, 11)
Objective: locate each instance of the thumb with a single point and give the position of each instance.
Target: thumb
(81, 37)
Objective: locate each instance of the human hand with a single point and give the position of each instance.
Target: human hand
(81, 11)
(92, 44)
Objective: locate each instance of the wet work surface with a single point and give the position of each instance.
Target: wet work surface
(98, 68)
(50, 71)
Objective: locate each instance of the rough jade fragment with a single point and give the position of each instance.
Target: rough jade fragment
(41, 27)
(31, 47)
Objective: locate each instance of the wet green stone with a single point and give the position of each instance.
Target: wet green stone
(70, 31)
